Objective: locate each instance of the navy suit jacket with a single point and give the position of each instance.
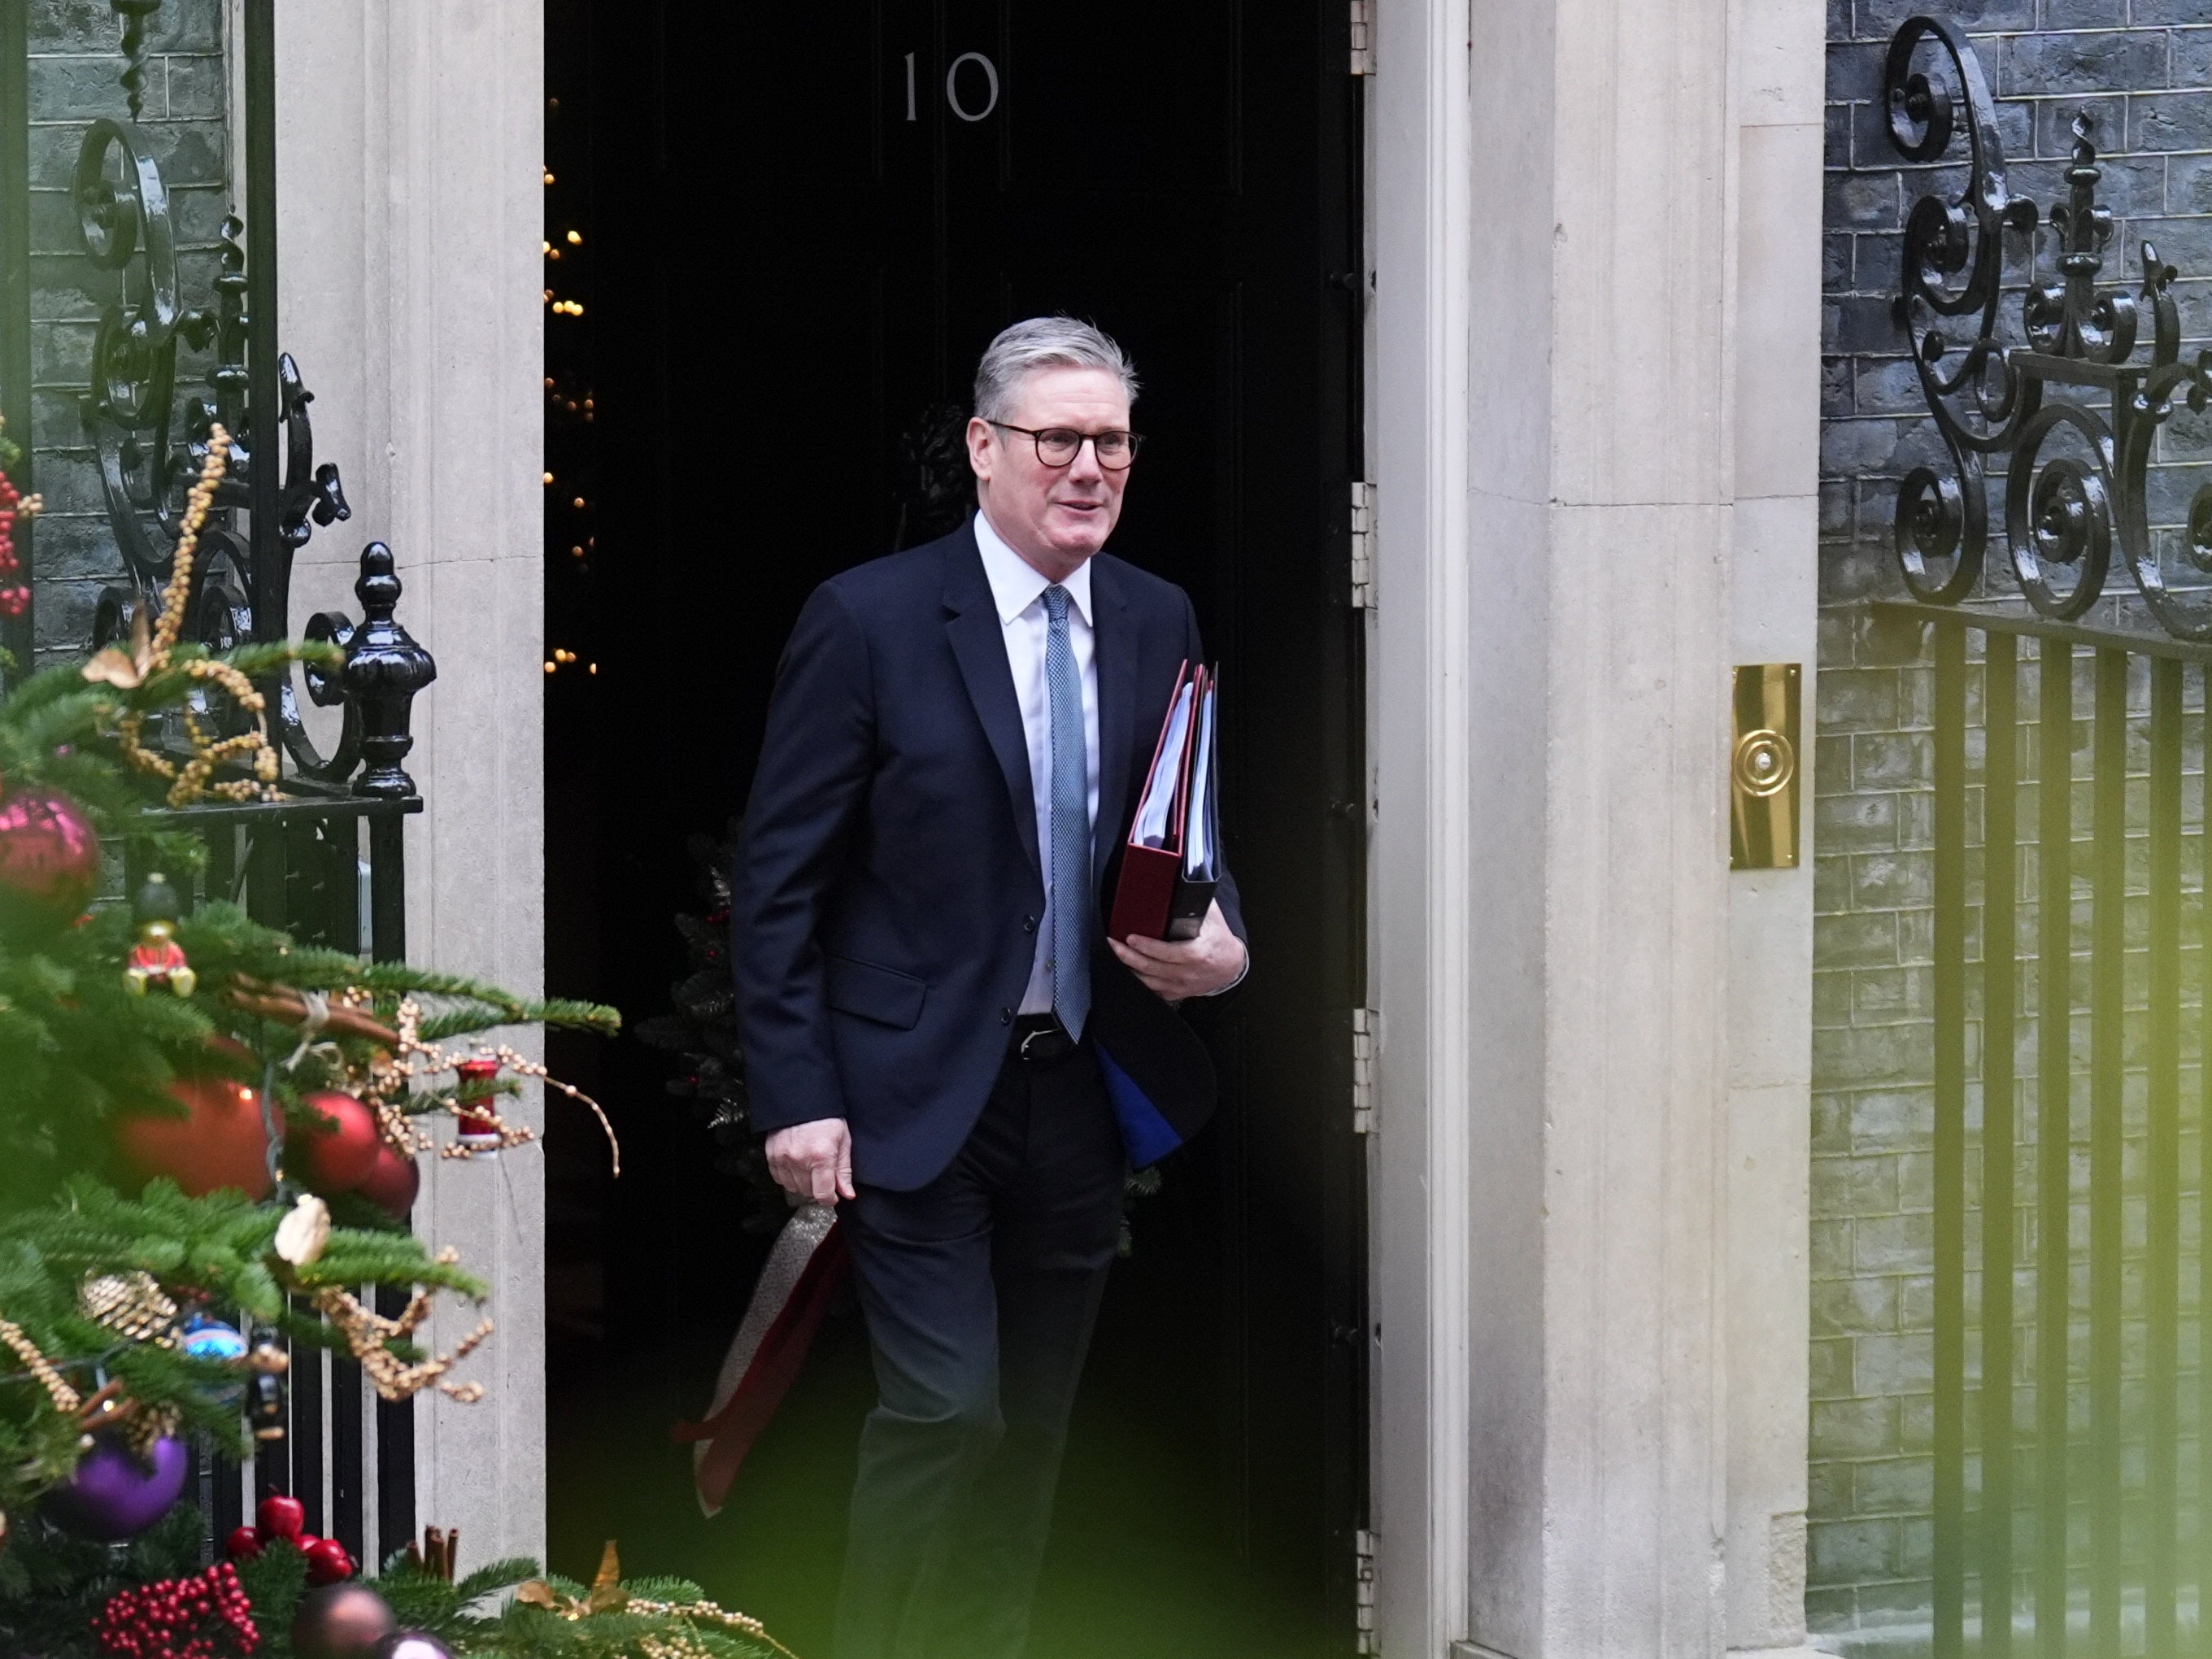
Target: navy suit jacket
(888, 887)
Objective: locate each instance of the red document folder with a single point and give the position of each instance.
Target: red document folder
(1154, 895)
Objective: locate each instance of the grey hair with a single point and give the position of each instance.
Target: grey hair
(1044, 343)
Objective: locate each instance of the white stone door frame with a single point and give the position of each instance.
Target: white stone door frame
(411, 203)
(1593, 394)
(1421, 240)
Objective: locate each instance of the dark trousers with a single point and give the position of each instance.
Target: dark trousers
(980, 1290)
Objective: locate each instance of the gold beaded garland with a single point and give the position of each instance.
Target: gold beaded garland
(67, 1400)
(148, 656)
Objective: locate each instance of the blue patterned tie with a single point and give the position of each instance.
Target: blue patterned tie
(1071, 824)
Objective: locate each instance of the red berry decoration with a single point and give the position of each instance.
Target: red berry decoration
(243, 1544)
(328, 1562)
(393, 1181)
(204, 1617)
(49, 860)
(14, 597)
(221, 1141)
(332, 1143)
(281, 1517)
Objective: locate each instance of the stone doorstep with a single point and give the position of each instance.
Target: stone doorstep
(1918, 1641)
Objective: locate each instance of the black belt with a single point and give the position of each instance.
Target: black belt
(1041, 1039)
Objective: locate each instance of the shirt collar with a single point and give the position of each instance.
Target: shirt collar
(1016, 584)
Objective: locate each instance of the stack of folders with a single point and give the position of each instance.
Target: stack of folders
(1173, 860)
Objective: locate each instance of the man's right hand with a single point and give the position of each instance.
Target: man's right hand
(813, 1161)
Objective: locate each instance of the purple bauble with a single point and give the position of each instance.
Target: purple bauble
(412, 1645)
(115, 1494)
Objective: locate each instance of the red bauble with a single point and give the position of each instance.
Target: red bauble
(49, 860)
(328, 1562)
(220, 1142)
(278, 1516)
(243, 1544)
(393, 1181)
(332, 1146)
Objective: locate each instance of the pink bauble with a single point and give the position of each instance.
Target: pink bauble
(341, 1621)
(49, 860)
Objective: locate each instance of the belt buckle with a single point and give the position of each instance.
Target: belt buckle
(1043, 1032)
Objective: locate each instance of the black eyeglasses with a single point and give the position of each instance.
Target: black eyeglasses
(1059, 446)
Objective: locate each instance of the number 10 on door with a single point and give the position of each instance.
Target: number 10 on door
(970, 106)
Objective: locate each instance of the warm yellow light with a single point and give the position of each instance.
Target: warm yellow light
(575, 238)
(548, 176)
(579, 501)
(548, 478)
(594, 669)
(549, 667)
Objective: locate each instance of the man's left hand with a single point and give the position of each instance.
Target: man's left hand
(1177, 969)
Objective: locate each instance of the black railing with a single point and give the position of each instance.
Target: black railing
(2071, 1243)
(2071, 936)
(328, 866)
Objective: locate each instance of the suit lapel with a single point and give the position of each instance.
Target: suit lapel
(979, 646)
(1116, 639)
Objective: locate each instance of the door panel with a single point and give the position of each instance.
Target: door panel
(787, 272)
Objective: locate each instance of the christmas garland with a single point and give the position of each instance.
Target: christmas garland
(209, 1132)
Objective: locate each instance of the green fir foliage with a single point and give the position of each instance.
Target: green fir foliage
(53, 1585)
(81, 1055)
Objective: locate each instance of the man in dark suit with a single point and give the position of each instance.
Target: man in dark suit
(958, 737)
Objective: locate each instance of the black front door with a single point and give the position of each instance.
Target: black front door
(802, 225)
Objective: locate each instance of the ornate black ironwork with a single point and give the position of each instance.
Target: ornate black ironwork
(1989, 398)
(151, 443)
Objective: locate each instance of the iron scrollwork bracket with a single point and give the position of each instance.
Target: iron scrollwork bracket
(2076, 365)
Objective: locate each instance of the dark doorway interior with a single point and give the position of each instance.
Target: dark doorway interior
(800, 225)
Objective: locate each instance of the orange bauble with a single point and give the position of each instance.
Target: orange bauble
(332, 1145)
(220, 1142)
(393, 1181)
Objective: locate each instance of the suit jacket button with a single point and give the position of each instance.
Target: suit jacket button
(1006, 1016)
(1029, 924)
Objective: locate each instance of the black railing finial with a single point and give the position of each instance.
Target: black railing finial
(385, 668)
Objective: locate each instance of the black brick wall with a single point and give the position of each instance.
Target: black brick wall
(75, 70)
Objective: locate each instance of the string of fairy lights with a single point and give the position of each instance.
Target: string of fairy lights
(571, 543)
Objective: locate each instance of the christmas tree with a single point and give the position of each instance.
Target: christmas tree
(210, 1136)
(703, 1033)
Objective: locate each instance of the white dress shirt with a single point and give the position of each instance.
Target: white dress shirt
(1017, 590)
